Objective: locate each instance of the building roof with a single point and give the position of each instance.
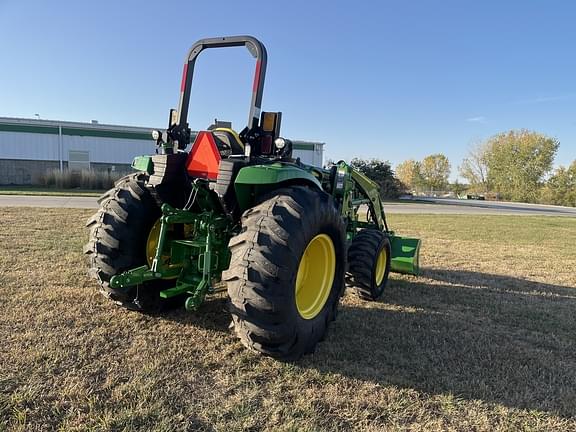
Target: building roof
(56, 127)
(95, 129)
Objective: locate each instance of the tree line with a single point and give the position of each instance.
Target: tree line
(430, 174)
(516, 165)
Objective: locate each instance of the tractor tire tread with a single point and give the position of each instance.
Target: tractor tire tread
(362, 256)
(263, 267)
(115, 243)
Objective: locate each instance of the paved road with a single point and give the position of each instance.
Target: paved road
(454, 206)
(47, 201)
(428, 206)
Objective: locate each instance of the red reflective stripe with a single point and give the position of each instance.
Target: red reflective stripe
(256, 77)
(184, 75)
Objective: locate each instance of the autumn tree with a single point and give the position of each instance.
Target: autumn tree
(380, 172)
(434, 171)
(408, 172)
(560, 188)
(517, 163)
(474, 168)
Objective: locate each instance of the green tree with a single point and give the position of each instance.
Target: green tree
(458, 188)
(381, 173)
(434, 171)
(517, 163)
(474, 168)
(560, 188)
(408, 172)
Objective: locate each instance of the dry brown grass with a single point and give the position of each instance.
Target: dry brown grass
(484, 340)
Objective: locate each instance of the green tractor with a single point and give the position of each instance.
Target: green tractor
(238, 213)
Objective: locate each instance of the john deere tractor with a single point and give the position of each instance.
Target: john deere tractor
(238, 213)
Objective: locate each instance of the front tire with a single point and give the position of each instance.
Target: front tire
(286, 274)
(369, 258)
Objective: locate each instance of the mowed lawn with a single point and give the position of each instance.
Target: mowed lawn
(485, 339)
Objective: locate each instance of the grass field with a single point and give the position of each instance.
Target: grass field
(485, 339)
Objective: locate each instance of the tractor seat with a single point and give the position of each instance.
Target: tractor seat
(228, 142)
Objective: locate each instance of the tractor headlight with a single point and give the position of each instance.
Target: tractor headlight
(155, 135)
(280, 143)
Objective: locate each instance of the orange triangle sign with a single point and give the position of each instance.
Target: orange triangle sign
(204, 158)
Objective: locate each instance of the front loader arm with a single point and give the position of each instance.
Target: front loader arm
(372, 191)
(352, 189)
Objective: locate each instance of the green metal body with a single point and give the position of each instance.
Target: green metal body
(196, 260)
(143, 163)
(253, 181)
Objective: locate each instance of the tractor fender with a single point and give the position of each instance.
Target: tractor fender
(255, 180)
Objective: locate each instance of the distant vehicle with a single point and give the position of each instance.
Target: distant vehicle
(475, 197)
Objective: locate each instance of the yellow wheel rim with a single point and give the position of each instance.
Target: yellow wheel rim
(152, 242)
(315, 276)
(381, 266)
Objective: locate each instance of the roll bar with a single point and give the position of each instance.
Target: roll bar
(254, 46)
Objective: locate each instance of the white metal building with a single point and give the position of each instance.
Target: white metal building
(30, 147)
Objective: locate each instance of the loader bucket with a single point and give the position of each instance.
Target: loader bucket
(405, 255)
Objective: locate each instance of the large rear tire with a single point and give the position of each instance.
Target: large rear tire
(286, 274)
(369, 263)
(119, 232)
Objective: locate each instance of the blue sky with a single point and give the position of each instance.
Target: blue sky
(387, 79)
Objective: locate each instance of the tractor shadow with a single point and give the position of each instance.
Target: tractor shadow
(499, 283)
(212, 315)
(473, 335)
